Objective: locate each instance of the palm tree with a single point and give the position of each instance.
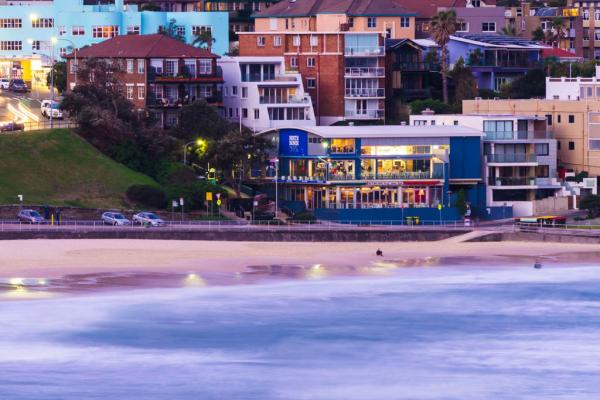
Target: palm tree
(509, 30)
(558, 27)
(204, 38)
(443, 25)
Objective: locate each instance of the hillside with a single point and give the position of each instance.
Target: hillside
(58, 167)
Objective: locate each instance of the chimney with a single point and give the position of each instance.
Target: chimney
(427, 111)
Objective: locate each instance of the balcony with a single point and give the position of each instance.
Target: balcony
(365, 114)
(365, 92)
(183, 75)
(407, 175)
(506, 135)
(512, 181)
(284, 100)
(172, 102)
(366, 72)
(511, 158)
(364, 51)
(341, 177)
(416, 66)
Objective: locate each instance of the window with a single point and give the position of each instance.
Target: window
(7, 23)
(141, 92)
(234, 90)
(141, 64)
(549, 119)
(572, 118)
(351, 22)
(462, 26)
(78, 30)
(180, 31)
(205, 66)
(106, 31)
(73, 66)
(260, 41)
(558, 145)
(586, 15)
(129, 66)
(597, 15)
(62, 52)
(277, 41)
(558, 118)
(62, 30)
(225, 90)
(311, 83)
(371, 22)
(294, 62)
(36, 45)
(244, 92)
(571, 145)
(542, 149)
(133, 30)
(404, 22)
(420, 122)
(42, 23)
(488, 27)
(244, 113)
(314, 40)
(198, 29)
(296, 41)
(171, 67)
(256, 113)
(310, 62)
(11, 45)
(129, 92)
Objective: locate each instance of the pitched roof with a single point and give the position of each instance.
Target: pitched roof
(428, 8)
(559, 53)
(304, 8)
(496, 40)
(142, 46)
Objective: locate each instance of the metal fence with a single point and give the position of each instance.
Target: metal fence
(45, 124)
(572, 229)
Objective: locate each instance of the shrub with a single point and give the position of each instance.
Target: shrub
(439, 107)
(194, 193)
(591, 203)
(147, 195)
(303, 216)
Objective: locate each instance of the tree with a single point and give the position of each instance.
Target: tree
(591, 203)
(509, 30)
(432, 58)
(200, 120)
(204, 39)
(418, 106)
(171, 31)
(538, 34)
(461, 202)
(465, 87)
(60, 76)
(532, 84)
(150, 7)
(443, 25)
(475, 57)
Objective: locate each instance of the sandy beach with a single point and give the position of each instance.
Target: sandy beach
(54, 258)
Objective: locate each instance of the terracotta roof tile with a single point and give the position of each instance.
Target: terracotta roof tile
(297, 8)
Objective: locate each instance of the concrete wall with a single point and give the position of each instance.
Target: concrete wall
(550, 205)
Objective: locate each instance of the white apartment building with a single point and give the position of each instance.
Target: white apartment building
(261, 94)
(520, 157)
(578, 88)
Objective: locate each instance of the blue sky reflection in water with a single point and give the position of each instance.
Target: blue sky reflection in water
(426, 333)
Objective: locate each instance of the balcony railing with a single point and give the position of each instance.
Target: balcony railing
(182, 74)
(365, 114)
(365, 72)
(512, 181)
(511, 158)
(341, 177)
(400, 175)
(167, 102)
(364, 51)
(505, 135)
(416, 66)
(284, 100)
(365, 92)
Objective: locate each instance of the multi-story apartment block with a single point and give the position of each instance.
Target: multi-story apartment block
(495, 59)
(32, 33)
(574, 124)
(589, 13)
(261, 94)
(573, 88)
(338, 49)
(158, 73)
(519, 157)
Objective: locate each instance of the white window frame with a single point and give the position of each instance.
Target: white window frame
(261, 41)
(371, 22)
(141, 66)
(311, 83)
(489, 25)
(404, 22)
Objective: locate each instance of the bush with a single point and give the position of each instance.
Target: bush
(303, 216)
(147, 195)
(590, 203)
(439, 107)
(194, 193)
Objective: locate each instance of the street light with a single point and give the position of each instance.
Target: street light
(201, 143)
(276, 179)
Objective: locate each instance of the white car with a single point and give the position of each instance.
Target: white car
(148, 219)
(4, 83)
(51, 107)
(114, 218)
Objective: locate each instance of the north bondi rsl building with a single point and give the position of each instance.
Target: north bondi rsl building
(376, 173)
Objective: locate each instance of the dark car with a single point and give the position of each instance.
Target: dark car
(18, 85)
(11, 126)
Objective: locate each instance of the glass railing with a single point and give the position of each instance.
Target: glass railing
(365, 71)
(364, 51)
(341, 177)
(364, 114)
(512, 181)
(400, 175)
(284, 99)
(506, 135)
(365, 92)
(511, 158)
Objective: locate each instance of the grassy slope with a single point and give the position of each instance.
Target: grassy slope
(58, 167)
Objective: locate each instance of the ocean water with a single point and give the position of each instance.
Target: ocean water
(414, 333)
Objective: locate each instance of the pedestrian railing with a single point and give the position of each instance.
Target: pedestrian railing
(573, 229)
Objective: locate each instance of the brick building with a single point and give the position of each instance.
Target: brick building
(338, 49)
(158, 73)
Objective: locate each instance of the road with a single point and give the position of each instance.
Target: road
(23, 107)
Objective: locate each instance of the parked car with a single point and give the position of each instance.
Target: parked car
(50, 107)
(114, 218)
(11, 126)
(18, 85)
(148, 218)
(4, 82)
(30, 216)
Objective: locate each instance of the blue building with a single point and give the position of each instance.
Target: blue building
(369, 173)
(495, 59)
(31, 33)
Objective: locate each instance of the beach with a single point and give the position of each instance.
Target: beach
(55, 258)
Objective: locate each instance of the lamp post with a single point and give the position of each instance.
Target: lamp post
(198, 142)
(276, 187)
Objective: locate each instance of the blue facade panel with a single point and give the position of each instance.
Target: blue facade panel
(293, 143)
(465, 158)
(389, 215)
